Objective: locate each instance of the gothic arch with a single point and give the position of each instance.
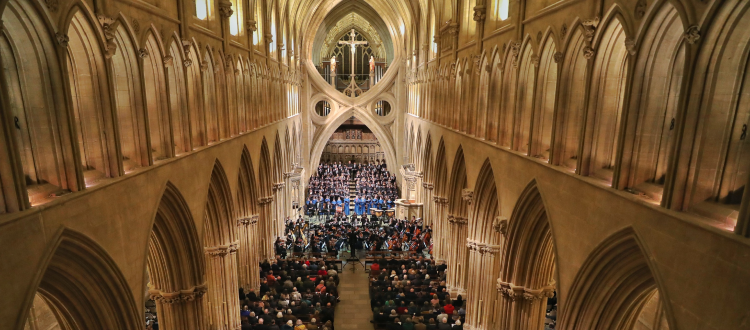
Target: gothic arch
(714, 122)
(603, 121)
(175, 264)
(220, 241)
(509, 87)
(89, 92)
(196, 117)
(156, 100)
(220, 213)
(83, 286)
(382, 133)
(525, 97)
(43, 142)
(528, 267)
(483, 249)
(440, 201)
(495, 97)
(210, 98)
(265, 187)
(483, 96)
(544, 103)
(656, 91)
(456, 223)
(570, 102)
(131, 124)
(612, 287)
(248, 214)
(178, 99)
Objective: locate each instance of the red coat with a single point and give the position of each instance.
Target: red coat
(448, 309)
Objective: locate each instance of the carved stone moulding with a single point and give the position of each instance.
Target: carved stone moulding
(178, 296)
(514, 292)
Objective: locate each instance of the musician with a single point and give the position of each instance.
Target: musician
(280, 249)
(347, 205)
(353, 242)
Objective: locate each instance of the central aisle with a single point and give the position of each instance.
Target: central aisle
(353, 312)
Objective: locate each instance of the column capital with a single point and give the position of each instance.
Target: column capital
(222, 250)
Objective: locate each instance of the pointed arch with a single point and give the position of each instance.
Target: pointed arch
(248, 213)
(37, 105)
(128, 98)
(528, 268)
(656, 89)
(714, 154)
(89, 90)
(612, 287)
(156, 100)
(210, 98)
(457, 220)
(567, 131)
(265, 187)
(508, 94)
(175, 263)
(83, 286)
(525, 98)
(174, 66)
(483, 98)
(483, 249)
(494, 101)
(220, 214)
(221, 245)
(544, 103)
(196, 109)
(606, 100)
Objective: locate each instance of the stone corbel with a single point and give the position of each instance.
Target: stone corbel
(515, 50)
(467, 195)
(630, 46)
(500, 224)
(480, 13)
(225, 8)
(428, 186)
(186, 48)
(168, 60)
(204, 65)
(251, 25)
(558, 57)
(178, 296)
(589, 28)
(692, 34)
(108, 28)
(62, 39)
(143, 53)
(588, 52)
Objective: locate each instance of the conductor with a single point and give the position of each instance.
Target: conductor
(353, 243)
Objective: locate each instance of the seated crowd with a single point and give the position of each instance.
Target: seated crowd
(293, 295)
(411, 294)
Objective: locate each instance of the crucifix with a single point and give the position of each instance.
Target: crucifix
(353, 43)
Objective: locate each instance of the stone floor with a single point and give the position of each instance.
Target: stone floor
(353, 312)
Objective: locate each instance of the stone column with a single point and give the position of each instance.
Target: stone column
(181, 309)
(221, 272)
(439, 230)
(247, 254)
(484, 264)
(427, 216)
(266, 225)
